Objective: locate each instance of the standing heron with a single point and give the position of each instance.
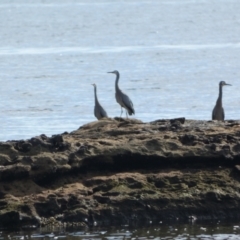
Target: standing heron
(99, 112)
(218, 111)
(123, 100)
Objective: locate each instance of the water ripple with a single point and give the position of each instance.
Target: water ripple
(109, 49)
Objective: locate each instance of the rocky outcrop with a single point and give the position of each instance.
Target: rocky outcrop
(123, 171)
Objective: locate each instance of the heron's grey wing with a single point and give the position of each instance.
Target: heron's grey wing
(103, 113)
(128, 103)
(96, 112)
(223, 115)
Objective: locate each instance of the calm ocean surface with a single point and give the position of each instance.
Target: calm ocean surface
(171, 55)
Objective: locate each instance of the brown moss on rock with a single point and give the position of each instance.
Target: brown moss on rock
(123, 171)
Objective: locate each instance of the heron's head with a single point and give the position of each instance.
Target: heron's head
(94, 85)
(223, 83)
(114, 72)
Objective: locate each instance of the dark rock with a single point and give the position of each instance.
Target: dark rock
(58, 143)
(73, 200)
(188, 139)
(3, 203)
(101, 199)
(82, 150)
(10, 219)
(237, 167)
(56, 139)
(213, 147)
(176, 125)
(23, 146)
(26, 146)
(15, 172)
(44, 137)
(4, 160)
(77, 215)
(236, 148)
(5, 146)
(135, 185)
(177, 120)
(162, 128)
(27, 160)
(159, 121)
(48, 208)
(41, 142)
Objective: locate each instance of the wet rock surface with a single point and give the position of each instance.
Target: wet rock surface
(123, 171)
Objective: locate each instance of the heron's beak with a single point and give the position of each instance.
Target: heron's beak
(228, 84)
(109, 72)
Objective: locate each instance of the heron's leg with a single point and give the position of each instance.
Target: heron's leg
(126, 114)
(121, 111)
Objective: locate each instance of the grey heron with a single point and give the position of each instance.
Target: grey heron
(218, 111)
(99, 111)
(123, 100)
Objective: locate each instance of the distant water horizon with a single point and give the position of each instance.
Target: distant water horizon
(171, 56)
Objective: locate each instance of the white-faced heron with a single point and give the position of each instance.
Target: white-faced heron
(99, 112)
(122, 98)
(218, 111)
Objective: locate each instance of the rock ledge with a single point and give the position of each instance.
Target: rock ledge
(123, 171)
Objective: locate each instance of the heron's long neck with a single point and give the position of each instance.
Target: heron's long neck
(95, 94)
(116, 82)
(219, 101)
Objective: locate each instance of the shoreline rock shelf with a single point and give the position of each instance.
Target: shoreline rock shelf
(123, 171)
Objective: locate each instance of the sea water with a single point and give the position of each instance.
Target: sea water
(171, 56)
(213, 231)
